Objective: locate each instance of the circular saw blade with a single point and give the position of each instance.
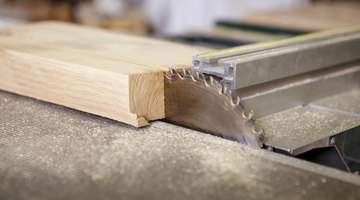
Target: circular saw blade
(203, 103)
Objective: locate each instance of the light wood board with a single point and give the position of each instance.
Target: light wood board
(108, 74)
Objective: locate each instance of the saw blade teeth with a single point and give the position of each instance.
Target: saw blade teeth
(216, 84)
(204, 79)
(169, 78)
(243, 114)
(188, 73)
(233, 102)
(175, 73)
(224, 90)
(227, 90)
(239, 102)
(260, 134)
(212, 81)
(251, 117)
(197, 75)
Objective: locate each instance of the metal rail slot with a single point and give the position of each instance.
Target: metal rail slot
(254, 64)
(273, 64)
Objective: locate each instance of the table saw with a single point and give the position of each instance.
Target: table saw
(281, 120)
(295, 86)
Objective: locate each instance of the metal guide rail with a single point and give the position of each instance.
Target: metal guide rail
(254, 64)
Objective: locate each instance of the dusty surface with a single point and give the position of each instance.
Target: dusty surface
(51, 152)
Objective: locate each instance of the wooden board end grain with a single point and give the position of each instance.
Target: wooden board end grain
(108, 74)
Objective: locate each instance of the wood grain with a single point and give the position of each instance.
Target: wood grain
(108, 74)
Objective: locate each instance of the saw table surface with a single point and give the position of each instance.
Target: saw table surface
(52, 152)
(303, 128)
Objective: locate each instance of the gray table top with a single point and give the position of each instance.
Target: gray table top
(51, 152)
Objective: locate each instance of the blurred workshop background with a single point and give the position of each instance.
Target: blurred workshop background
(211, 23)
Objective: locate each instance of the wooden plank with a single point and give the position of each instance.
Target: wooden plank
(109, 74)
